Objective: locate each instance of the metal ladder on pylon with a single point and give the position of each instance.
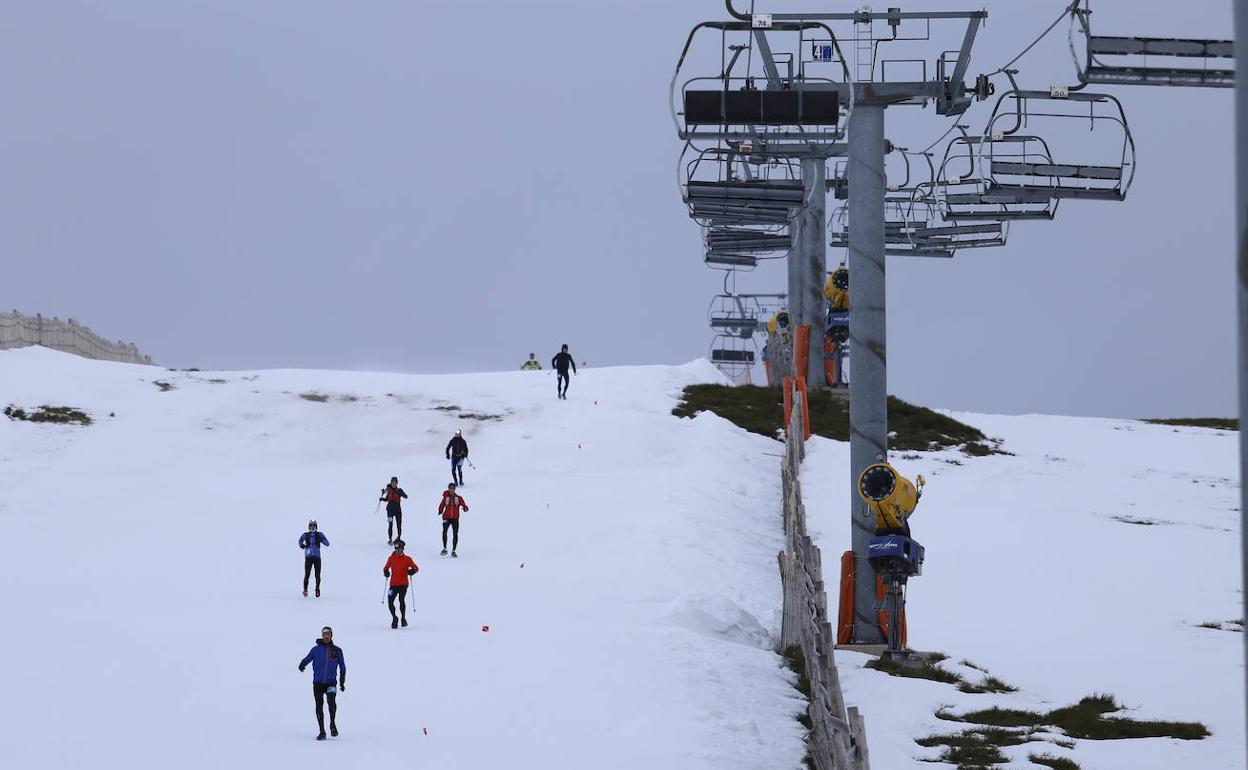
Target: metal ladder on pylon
(864, 47)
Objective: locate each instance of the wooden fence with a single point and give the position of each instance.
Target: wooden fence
(18, 331)
(838, 740)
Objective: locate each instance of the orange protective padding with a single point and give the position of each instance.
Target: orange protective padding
(845, 613)
(881, 590)
(829, 362)
(801, 350)
(801, 391)
(787, 387)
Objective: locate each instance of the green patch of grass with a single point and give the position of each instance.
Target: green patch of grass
(976, 748)
(56, 414)
(919, 669)
(1057, 763)
(1217, 423)
(319, 398)
(165, 387)
(988, 684)
(446, 408)
(1211, 624)
(1085, 719)
(479, 416)
(761, 410)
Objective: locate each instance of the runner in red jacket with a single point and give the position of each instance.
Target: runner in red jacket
(449, 509)
(399, 567)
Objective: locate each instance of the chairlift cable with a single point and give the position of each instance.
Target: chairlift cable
(1066, 12)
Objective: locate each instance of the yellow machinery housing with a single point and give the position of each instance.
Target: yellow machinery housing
(890, 496)
(778, 321)
(836, 288)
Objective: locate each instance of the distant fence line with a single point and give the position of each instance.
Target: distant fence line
(838, 739)
(19, 331)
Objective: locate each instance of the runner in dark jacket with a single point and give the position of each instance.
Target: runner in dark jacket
(457, 453)
(311, 542)
(560, 363)
(392, 493)
(327, 663)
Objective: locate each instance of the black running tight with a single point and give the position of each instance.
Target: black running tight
(401, 593)
(310, 563)
(323, 693)
(452, 524)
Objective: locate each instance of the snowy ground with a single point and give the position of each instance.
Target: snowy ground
(623, 560)
(1039, 570)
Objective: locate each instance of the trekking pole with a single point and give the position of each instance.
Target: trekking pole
(385, 592)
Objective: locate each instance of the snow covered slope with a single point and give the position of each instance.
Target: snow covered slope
(1084, 563)
(623, 560)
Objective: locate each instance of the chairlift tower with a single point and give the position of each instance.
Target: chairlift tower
(866, 147)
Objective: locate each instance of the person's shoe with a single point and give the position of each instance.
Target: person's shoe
(403, 622)
(394, 622)
(333, 730)
(305, 592)
(443, 553)
(389, 542)
(318, 593)
(455, 555)
(321, 736)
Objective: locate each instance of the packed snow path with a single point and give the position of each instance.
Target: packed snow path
(623, 560)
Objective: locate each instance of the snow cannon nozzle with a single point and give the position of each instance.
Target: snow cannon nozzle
(890, 496)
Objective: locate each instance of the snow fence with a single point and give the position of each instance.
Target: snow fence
(838, 739)
(19, 331)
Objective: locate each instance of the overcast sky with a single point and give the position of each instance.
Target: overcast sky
(448, 186)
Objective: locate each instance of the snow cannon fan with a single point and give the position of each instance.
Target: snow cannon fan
(778, 322)
(836, 288)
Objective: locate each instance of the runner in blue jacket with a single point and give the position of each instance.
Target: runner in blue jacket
(311, 542)
(327, 663)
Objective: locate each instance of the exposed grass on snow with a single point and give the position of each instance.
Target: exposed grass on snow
(928, 667)
(312, 395)
(1057, 763)
(761, 410)
(1085, 719)
(58, 414)
(1217, 423)
(165, 387)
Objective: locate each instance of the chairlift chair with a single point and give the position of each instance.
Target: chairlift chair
(964, 192)
(734, 356)
(1021, 166)
(1113, 60)
(736, 315)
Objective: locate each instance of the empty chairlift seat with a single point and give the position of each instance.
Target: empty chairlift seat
(1021, 167)
(1153, 61)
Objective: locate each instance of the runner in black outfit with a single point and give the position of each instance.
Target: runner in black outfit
(392, 493)
(457, 453)
(311, 542)
(560, 363)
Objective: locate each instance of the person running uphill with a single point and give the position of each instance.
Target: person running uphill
(560, 363)
(399, 568)
(311, 542)
(327, 662)
(449, 508)
(392, 493)
(457, 453)
(531, 365)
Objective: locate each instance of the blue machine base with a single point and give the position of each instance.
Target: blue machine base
(896, 552)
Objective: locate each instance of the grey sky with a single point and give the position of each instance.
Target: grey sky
(448, 186)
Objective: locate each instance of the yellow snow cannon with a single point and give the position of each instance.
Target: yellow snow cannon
(890, 496)
(778, 322)
(836, 288)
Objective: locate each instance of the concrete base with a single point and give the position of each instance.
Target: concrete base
(875, 650)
